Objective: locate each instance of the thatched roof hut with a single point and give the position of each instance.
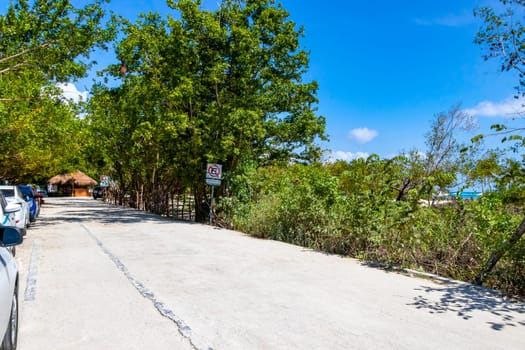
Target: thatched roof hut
(76, 178)
(77, 181)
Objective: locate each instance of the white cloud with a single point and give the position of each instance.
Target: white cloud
(450, 20)
(71, 93)
(362, 135)
(506, 109)
(346, 156)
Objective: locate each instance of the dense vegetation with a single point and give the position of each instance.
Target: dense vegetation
(227, 86)
(40, 133)
(223, 86)
(351, 209)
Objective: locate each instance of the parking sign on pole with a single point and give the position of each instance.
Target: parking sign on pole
(213, 174)
(213, 178)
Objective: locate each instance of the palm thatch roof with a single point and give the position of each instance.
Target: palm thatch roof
(76, 178)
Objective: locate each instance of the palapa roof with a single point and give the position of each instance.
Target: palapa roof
(76, 178)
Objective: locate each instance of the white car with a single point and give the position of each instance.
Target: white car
(7, 218)
(14, 198)
(9, 237)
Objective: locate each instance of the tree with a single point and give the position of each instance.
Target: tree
(43, 43)
(49, 37)
(221, 86)
(503, 38)
(434, 170)
(441, 139)
(486, 170)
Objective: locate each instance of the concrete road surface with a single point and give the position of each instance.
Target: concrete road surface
(95, 276)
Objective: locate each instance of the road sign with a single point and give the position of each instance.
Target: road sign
(104, 180)
(213, 178)
(214, 171)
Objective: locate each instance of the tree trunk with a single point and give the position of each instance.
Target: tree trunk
(499, 252)
(402, 190)
(201, 205)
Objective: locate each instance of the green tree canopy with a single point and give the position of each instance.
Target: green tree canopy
(201, 86)
(42, 43)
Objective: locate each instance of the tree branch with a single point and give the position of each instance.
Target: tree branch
(506, 132)
(13, 67)
(15, 99)
(8, 58)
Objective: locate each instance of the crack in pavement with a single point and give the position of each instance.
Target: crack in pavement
(182, 327)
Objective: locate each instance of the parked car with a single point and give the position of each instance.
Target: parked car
(98, 192)
(14, 197)
(29, 196)
(7, 212)
(7, 215)
(9, 237)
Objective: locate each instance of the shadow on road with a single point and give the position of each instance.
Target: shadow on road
(82, 210)
(465, 300)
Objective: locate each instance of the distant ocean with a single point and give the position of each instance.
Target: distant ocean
(467, 195)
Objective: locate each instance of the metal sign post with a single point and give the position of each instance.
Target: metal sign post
(213, 178)
(211, 205)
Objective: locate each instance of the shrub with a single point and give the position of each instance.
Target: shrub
(354, 212)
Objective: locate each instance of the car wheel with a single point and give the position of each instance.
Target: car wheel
(11, 334)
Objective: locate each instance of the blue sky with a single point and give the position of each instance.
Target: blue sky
(385, 68)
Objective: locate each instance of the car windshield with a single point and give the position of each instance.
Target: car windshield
(8, 193)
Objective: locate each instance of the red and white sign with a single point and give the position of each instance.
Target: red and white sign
(214, 171)
(213, 174)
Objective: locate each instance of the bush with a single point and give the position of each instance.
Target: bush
(354, 213)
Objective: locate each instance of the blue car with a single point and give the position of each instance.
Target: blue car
(29, 196)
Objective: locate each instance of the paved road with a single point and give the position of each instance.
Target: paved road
(100, 277)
